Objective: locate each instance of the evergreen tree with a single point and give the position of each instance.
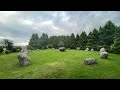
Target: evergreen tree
(77, 40)
(83, 40)
(61, 44)
(72, 41)
(34, 41)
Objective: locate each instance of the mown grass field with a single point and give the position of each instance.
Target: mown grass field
(53, 64)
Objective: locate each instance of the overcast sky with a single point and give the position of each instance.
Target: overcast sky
(19, 25)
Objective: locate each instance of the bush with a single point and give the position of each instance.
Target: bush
(45, 47)
(49, 46)
(99, 47)
(61, 44)
(42, 48)
(14, 50)
(89, 47)
(82, 47)
(115, 48)
(30, 47)
(107, 48)
(18, 50)
(94, 47)
(1, 50)
(7, 51)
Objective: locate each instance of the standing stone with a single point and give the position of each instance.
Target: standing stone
(104, 55)
(23, 57)
(90, 61)
(92, 49)
(102, 50)
(87, 49)
(24, 49)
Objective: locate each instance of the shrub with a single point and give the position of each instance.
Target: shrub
(42, 48)
(49, 46)
(30, 47)
(7, 51)
(18, 50)
(82, 47)
(1, 50)
(107, 48)
(94, 47)
(99, 47)
(88, 47)
(61, 44)
(14, 50)
(115, 48)
(45, 47)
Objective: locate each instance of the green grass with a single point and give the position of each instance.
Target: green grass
(53, 64)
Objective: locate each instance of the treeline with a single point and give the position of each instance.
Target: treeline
(8, 47)
(107, 36)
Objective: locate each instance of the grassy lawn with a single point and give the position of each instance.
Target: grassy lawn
(52, 64)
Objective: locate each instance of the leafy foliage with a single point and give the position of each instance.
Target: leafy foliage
(1, 49)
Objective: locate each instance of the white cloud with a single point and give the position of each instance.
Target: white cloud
(21, 24)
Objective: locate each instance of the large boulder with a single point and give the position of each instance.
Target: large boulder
(102, 50)
(104, 55)
(62, 48)
(90, 61)
(23, 57)
(87, 49)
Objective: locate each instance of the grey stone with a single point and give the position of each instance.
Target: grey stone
(104, 55)
(102, 50)
(62, 48)
(90, 61)
(87, 49)
(23, 59)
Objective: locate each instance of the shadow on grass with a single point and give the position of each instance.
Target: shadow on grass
(19, 65)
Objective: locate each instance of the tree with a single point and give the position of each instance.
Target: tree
(83, 40)
(43, 41)
(77, 40)
(95, 39)
(1, 49)
(34, 41)
(90, 40)
(116, 46)
(72, 41)
(61, 44)
(107, 33)
(8, 44)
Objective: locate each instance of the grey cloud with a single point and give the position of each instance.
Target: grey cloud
(21, 25)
